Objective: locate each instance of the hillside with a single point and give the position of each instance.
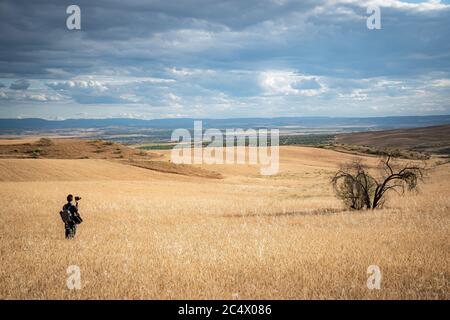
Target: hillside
(245, 236)
(70, 149)
(435, 139)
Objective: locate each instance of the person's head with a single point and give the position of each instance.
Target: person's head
(69, 198)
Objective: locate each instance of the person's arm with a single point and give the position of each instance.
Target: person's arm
(76, 212)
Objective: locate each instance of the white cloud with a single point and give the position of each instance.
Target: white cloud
(290, 83)
(78, 84)
(29, 96)
(441, 83)
(396, 4)
(356, 94)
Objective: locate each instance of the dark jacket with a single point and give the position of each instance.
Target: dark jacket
(73, 209)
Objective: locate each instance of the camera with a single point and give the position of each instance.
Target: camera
(77, 198)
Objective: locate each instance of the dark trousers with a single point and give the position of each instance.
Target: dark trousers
(71, 230)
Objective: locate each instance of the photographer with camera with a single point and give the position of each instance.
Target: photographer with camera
(70, 216)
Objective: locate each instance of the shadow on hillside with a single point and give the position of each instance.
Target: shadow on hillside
(315, 212)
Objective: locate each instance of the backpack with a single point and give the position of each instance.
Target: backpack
(66, 215)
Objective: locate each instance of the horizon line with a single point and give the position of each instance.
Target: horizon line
(234, 118)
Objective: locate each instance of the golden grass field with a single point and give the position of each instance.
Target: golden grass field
(154, 235)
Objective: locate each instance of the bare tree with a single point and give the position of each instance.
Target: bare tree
(396, 178)
(359, 189)
(353, 185)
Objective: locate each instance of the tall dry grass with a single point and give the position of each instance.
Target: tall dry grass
(246, 236)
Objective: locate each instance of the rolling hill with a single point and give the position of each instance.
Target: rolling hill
(155, 235)
(435, 139)
(73, 149)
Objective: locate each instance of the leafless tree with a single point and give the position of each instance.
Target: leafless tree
(359, 189)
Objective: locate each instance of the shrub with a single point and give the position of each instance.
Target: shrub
(45, 142)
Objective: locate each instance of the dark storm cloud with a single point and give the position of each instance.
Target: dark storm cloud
(34, 37)
(20, 85)
(224, 34)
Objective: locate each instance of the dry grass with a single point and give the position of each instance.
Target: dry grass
(182, 169)
(155, 235)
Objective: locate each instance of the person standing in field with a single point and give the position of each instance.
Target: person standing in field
(71, 217)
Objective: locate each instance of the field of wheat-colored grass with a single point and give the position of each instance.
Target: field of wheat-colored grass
(154, 235)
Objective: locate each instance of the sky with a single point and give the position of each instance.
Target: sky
(223, 59)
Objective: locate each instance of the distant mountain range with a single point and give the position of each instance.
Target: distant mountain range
(8, 126)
